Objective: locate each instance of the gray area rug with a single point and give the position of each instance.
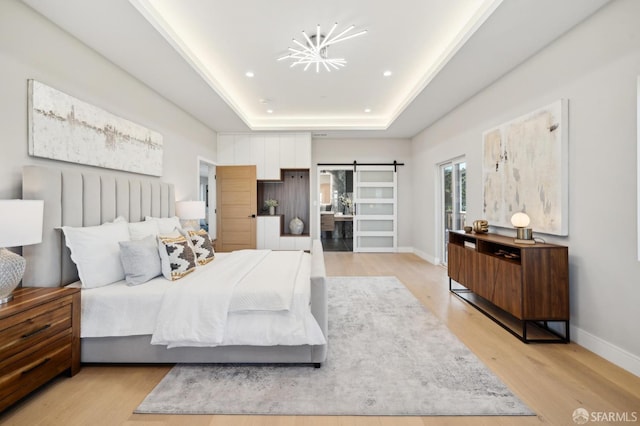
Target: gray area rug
(388, 355)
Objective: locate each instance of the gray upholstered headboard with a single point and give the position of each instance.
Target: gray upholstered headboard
(76, 198)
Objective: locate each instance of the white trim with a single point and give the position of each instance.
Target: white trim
(211, 219)
(425, 256)
(606, 350)
(317, 205)
(439, 206)
(638, 166)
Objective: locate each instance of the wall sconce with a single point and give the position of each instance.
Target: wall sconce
(524, 234)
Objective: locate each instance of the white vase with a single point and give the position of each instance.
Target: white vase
(272, 210)
(296, 226)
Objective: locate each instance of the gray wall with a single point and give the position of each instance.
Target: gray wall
(369, 151)
(31, 47)
(595, 66)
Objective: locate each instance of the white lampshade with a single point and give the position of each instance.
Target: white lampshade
(20, 222)
(190, 210)
(520, 220)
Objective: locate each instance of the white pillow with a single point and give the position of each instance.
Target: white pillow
(96, 252)
(140, 230)
(166, 224)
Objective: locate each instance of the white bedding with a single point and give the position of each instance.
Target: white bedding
(121, 310)
(194, 312)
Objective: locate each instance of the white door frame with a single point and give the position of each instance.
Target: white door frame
(440, 222)
(212, 193)
(319, 169)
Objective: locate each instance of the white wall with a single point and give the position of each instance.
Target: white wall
(31, 47)
(595, 66)
(369, 151)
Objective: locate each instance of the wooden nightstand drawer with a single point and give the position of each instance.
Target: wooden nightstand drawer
(52, 344)
(33, 326)
(37, 369)
(39, 339)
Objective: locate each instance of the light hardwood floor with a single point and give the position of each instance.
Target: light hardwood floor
(553, 380)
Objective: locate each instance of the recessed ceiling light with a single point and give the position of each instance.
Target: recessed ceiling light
(367, 110)
(249, 74)
(387, 73)
(269, 111)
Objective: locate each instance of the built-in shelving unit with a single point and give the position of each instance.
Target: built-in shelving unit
(522, 287)
(293, 194)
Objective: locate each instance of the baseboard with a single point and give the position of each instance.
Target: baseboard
(606, 350)
(404, 250)
(425, 256)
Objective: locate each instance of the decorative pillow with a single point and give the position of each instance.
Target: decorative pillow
(202, 246)
(178, 259)
(140, 230)
(96, 252)
(165, 224)
(140, 260)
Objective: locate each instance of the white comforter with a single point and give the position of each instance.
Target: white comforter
(195, 314)
(235, 306)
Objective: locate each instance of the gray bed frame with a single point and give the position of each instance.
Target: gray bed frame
(78, 198)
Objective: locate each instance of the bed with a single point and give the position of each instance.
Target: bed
(80, 199)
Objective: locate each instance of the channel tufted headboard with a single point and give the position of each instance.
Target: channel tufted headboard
(76, 198)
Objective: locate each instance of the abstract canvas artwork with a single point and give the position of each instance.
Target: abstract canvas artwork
(64, 128)
(525, 168)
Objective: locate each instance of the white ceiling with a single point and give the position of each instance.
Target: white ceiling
(196, 53)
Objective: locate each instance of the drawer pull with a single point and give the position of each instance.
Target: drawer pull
(33, 333)
(40, 364)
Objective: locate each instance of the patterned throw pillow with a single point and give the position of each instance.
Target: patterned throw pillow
(202, 246)
(178, 259)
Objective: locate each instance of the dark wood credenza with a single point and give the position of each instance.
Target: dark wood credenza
(524, 288)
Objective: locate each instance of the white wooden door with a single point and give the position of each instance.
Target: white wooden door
(375, 219)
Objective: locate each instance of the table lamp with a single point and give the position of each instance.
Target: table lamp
(20, 225)
(190, 212)
(524, 234)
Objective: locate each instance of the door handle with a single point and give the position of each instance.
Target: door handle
(253, 215)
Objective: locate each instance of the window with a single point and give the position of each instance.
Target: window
(453, 184)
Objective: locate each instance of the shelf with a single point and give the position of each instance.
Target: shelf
(293, 195)
(528, 331)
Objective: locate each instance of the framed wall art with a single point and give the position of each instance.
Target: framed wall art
(525, 168)
(64, 128)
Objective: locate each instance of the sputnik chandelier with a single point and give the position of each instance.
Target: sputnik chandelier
(315, 49)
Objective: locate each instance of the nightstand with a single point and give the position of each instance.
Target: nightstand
(39, 339)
